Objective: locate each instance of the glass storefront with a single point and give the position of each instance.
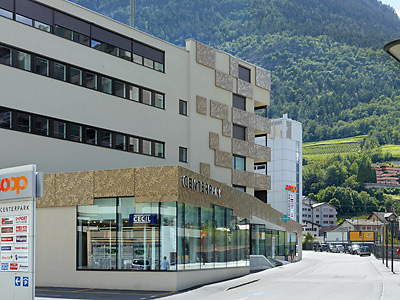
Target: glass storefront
(121, 234)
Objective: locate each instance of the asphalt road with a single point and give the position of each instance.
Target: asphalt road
(318, 276)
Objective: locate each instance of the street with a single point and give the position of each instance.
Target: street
(318, 276)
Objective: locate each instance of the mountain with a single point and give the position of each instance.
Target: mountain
(328, 67)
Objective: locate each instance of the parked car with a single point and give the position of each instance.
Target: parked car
(334, 249)
(318, 247)
(141, 264)
(340, 248)
(347, 249)
(330, 248)
(355, 249)
(364, 250)
(324, 247)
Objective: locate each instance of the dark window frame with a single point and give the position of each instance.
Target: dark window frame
(244, 73)
(183, 154)
(239, 132)
(183, 109)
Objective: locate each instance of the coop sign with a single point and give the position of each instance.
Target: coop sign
(291, 188)
(200, 186)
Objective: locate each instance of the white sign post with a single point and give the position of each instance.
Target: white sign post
(18, 190)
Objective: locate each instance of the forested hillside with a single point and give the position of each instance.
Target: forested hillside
(328, 71)
(328, 67)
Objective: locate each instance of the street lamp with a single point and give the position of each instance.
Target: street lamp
(392, 218)
(393, 48)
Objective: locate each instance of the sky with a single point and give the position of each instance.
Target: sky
(394, 3)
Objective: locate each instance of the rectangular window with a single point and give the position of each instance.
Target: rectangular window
(76, 133)
(42, 26)
(207, 237)
(24, 20)
(261, 111)
(239, 132)
(5, 56)
(41, 126)
(91, 80)
(220, 237)
(106, 85)
(23, 122)
(120, 89)
(23, 60)
(146, 97)
(159, 149)
(5, 118)
(106, 139)
(133, 93)
(192, 237)
(60, 130)
(80, 38)
(182, 108)
(159, 99)
(75, 76)
(147, 147)
(238, 163)
(91, 136)
(125, 54)
(6, 13)
(63, 32)
(120, 142)
(158, 66)
(239, 102)
(244, 73)
(110, 49)
(239, 187)
(138, 59)
(148, 63)
(59, 71)
(183, 154)
(97, 45)
(42, 66)
(133, 145)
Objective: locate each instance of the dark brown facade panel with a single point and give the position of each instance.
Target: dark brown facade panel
(34, 11)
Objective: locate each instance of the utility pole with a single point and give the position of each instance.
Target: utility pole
(132, 15)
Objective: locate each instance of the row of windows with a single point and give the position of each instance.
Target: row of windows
(61, 71)
(71, 28)
(50, 127)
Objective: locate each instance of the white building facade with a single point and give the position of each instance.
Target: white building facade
(285, 168)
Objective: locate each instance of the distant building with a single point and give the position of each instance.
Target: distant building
(360, 225)
(387, 175)
(285, 167)
(322, 214)
(310, 227)
(381, 217)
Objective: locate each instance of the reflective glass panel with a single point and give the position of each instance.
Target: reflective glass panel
(91, 136)
(41, 126)
(133, 93)
(76, 133)
(148, 63)
(181, 257)
(207, 238)
(231, 239)
(24, 20)
(106, 85)
(23, 122)
(137, 59)
(23, 60)
(120, 143)
(127, 248)
(159, 149)
(80, 38)
(120, 89)
(42, 66)
(91, 80)
(147, 147)
(106, 139)
(42, 26)
(133, 144)
(5, 118)
(192, 237)
(63, 32)
(159, 98)
(60, 129)
(6, 13)
(158, 66)
(146, 97)
(59, 71)
(243, 245)
(75, 76)
(110, 49)
(5, 56)
(168, 233)
(125, 54)
(220, 237)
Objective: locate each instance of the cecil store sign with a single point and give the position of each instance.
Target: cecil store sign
(18, 190)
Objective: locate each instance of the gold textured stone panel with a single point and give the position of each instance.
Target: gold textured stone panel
(223, 80)
(219, 110)
(262, 182)
(114, 183)
(226, 128)
(234, 66)
(72, 189)
(205, 169)
(49, 192)
(213, 140)
(240, 147)
(205, 55)
(201, 105)
(245, 88)
(263, 78)
(263, 153)
(244, 178)
(262, 124)
(156, 183)
(240, 117)
(223, 159)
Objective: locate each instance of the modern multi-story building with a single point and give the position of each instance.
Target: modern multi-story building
(321, 214)
(285, 167)
(148, 150)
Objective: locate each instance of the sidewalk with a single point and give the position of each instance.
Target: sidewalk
(391, 280)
